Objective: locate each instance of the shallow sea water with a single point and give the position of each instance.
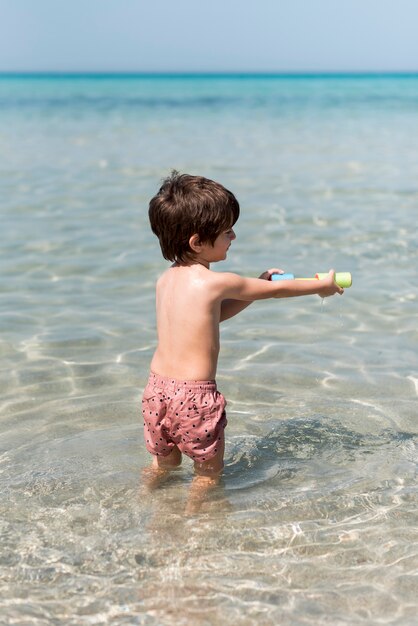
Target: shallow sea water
(316, 518)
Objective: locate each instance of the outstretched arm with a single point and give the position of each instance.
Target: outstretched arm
(249, 289)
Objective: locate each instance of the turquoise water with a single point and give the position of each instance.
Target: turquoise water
(316, 519)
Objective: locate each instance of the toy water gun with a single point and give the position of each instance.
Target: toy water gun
(343, 279)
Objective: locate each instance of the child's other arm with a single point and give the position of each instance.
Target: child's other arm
(229, 307)
(249, 289)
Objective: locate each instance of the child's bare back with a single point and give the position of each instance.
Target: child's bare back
(188, 316)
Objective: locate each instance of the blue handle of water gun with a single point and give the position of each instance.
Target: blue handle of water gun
(282, 277)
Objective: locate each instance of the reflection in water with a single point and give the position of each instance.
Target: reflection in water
(204, 493)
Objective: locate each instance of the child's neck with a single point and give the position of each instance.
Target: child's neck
(192, 263)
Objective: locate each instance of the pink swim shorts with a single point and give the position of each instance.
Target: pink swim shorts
(189, 414)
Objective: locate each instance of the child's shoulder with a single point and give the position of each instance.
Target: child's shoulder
(224, 282)
(196, 276)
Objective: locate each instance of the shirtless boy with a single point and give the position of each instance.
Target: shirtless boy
(184, 413)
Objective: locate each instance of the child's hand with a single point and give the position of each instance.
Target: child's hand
(268, 273)
(330, 287)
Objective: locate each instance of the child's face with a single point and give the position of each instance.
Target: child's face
(220, 247)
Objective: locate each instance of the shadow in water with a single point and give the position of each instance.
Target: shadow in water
(296, 443)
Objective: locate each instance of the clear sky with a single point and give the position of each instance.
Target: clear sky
(217, 35)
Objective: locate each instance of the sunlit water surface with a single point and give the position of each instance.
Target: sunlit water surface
(316, 518)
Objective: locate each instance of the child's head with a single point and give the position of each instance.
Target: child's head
(190, 205)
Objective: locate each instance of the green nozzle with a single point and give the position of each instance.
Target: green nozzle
(343, 279)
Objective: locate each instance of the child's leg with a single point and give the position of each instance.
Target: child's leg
(168, 462)
(156, 473)
(207, 477)
(213, 467)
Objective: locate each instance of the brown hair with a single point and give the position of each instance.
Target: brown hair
(186, 205)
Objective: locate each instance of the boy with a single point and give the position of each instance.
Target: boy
(193, 218)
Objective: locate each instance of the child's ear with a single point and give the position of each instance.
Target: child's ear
(195, 243)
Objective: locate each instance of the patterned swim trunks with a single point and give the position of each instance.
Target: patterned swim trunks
(189, 414)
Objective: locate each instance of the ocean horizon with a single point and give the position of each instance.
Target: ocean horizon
(367, 74)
